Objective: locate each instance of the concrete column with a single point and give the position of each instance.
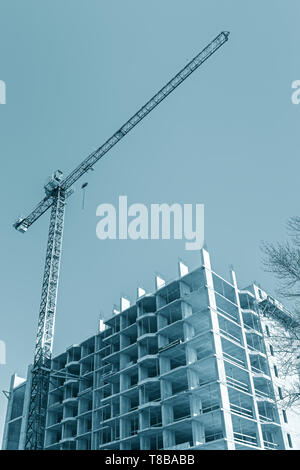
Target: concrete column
(228, 428)
(164, 364)
(193, 379)
(8, 413)
(26, 410)
(168, 438)
(124, 404)
(188, 331)
(143, 395)
(161, 321)
(124, 427)
(248, 362)
(160, 301)
(144, 419)
(144, 443)
(165, 388)
(191, 354)
(198, 433)
(167, 414)
(186, 309)
(124, 382)
(184, 288)
(195, 405)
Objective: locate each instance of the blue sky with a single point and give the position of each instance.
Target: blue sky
(228, 138)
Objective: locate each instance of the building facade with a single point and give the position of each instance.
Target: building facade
(190, 366)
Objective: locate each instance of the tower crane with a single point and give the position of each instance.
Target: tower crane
(57, 190)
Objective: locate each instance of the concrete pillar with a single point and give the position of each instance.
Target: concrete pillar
(227, 421)
(195, 405)
(191, 354)
(160, 301)
(124, 427)
(124, 382)
(198, 433)
(248, 362)
(143, 395)
(184, 289)
(26, 410)
(165, 388)
(164, 364)
(8, 413)
(124, 404)
(161, 321)
(144, 418)
(188, 331)
(168, 438)
(193, 379)
(167, 414)
(186, 309)
(145, 443)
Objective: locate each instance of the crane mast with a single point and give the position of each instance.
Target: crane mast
(57, 191)
(46, 322)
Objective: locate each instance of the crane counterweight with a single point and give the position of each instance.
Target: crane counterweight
(53, 182)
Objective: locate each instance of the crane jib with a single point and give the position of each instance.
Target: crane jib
(24, 223)
(146, 109)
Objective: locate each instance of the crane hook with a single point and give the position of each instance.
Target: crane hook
(83, 197)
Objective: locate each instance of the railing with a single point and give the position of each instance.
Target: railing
(133, 408)
(255, 349)
(108, 374)
(172, 321)
(262, 394)
(229, 335)
(258, 371)
(213, 437)
(248, 413)
(182, 417)
(226, 314)
(151, 400)
(129, 364)
(270, 445)
(210, 408)
(237, 384)
(58, 402)
(170, 345)
(233, 359)
(252, 328)
(245, 438)
(266, 419)
(156, 425)
(182, 446)
(131, 342)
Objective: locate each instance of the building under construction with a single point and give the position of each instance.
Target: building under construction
(190, 366)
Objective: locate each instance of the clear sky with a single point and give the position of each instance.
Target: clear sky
(228, 138)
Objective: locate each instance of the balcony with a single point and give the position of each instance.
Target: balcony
(270, 445)
(237, 384)
(240, 410)
(233, 360)
(245, 439)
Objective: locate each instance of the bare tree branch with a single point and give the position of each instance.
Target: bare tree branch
(283, 260)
